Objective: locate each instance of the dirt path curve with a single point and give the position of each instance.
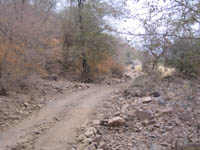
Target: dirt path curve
(54, 126)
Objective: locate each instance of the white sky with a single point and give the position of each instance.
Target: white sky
(131, 23)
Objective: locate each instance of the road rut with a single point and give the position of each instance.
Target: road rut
(62, 117)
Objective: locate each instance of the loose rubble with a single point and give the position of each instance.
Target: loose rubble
(134, 120)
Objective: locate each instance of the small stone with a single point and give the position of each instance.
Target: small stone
(81, 138)
(87, 141)
(143, 115)
(161, 101)
(81, 147)
(145, 123)
(156, 147)
(155, 94)
(117, 113)
(26, 104)
(167, 110)
(101, 145)
(39, 105)
(151, 122)
(171, 94)
(104, 122)
(150, 128)
(116, 121)
(90, 132)
(96, 122)
(91, 147)
(146, 99)
(165, 144)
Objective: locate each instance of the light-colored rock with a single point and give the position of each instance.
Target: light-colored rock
(156, 147)
(116, 121)
(81, 138)
(26, 104)
(146, 99)
(96, 122)
(88, 141)
(91, 131)
(124, 108)
(166, 110)
(81, 147)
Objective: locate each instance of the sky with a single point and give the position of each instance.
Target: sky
(130, 23)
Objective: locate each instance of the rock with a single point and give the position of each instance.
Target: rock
(161, 101)
(146, 99)
(20, 112)
(101, 145)
(143, 115)
(117, 113)
(156, 147)
(150, 128)
(90, 132)
(145, 123)
(91, 147)
(39, 105)
(96, 122)
(81, 138)
(26, 104)
(116, 121)
(164, 144)
(190, 147)
(155, 94)
(151, 122)
(185, 117)
(104, 122)
(81, 147)
(124, 108)
(171, 94)
(3, 92)
(53, 77)
(167, 110)
(88, 141)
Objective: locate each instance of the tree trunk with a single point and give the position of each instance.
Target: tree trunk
(3, 79)
(85, 66)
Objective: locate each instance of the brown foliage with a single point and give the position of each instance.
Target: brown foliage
(27, 32)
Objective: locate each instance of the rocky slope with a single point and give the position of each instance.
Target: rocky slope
(146, 118)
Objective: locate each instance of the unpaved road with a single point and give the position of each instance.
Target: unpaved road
(54, 126)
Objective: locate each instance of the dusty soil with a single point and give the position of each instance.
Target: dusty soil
(53, 126)
(20, 104)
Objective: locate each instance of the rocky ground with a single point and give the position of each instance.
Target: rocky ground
(145, 117)
(17, 106)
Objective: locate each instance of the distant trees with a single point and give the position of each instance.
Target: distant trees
(86, 43)
(172, 33)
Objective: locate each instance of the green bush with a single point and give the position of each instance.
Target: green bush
(184, 55)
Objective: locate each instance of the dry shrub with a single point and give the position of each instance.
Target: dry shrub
(16, 64)
(117, 70)
(104, 68)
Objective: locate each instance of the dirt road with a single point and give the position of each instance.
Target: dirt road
(54, 126)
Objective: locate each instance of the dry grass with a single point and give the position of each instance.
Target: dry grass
(166, 71)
